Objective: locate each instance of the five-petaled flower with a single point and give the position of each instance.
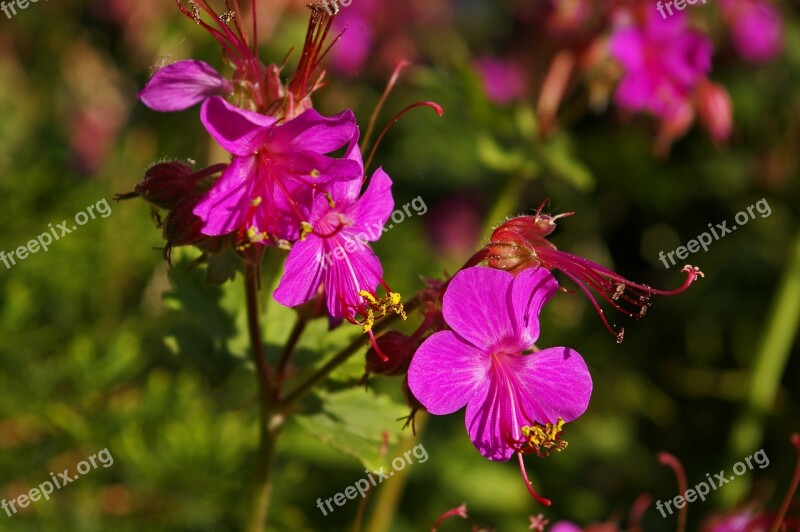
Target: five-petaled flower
(277, 170)
(334, 252)
(485, 364)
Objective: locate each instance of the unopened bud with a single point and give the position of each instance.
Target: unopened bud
(183, 227)
(398, 347)
(165, 184)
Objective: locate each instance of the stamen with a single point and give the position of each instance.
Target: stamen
(541, 440)
(787, 501)
(676, 466)
(433, 105)
(529, 486)
(459, 511)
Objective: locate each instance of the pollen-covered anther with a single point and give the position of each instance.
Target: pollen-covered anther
(305, 229)
(541, 440)
(314, 173)
(255, 202)
(377, 308)
(253, 235)
(227, 16)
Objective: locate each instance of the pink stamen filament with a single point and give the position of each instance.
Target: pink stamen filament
(676, 466)
(460, 511)
(433, 105)
(529, 486)
(787, 501)
(398, 69)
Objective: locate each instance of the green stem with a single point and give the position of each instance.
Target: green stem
(341, 357)
(291, 344)
(271, 423)
(771, 357)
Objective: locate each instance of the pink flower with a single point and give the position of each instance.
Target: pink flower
(663, 61)
(503, 80)
(481, 363)
(757, 29)
(267, 191)
(335, 251)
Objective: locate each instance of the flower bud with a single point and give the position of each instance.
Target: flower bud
(715, 110)
(183, 227)
(395, 345)
(165, 184)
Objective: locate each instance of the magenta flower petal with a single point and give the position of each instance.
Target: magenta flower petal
(312, 131)
(223, 208)
(356, 271)
(446, 372)
(239, 131)
(476, 306)
(303, 273)
(183, 84)
(530, 290)
(376, 204)
(524, 389)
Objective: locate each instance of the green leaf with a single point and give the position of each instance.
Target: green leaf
(354, 421)
(209, 327)
(558, 157)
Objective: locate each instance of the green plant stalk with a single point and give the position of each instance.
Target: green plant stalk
(771, 358)
(271, 423)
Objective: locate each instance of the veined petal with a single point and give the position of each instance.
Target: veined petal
(302, 273)
(446, 373)
(346, 273)
(312, 131)
(224, 208)
(183, 84)
(376, 204)
(553, 383)
(530, 290)
(239, 131)
(525, 389)
(317, 168)
(476, 307)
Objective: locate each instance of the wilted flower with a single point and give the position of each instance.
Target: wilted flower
(520, 244)
(516, 402)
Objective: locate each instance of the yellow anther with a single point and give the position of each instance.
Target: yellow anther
(369, 297)
(314, 173)
(330, 199)
(305, 229)
(543, 439)
(255, 202)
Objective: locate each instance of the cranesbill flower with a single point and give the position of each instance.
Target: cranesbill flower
(520, 243)
(516, 402)
(334, 252)
(278, 167)
(663, 60)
